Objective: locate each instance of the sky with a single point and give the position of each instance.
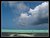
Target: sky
(24, 15)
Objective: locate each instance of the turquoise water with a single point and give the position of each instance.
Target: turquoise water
(25, 31)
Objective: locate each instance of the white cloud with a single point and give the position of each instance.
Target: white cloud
(19, 6)
(38, 15)
(22, 6)
(24, 15)
(40, 9)
(16, 4)
(39, 12)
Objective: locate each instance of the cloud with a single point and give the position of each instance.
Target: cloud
(40, 9)
(19, 6)
(24, 15)
(39, 15)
